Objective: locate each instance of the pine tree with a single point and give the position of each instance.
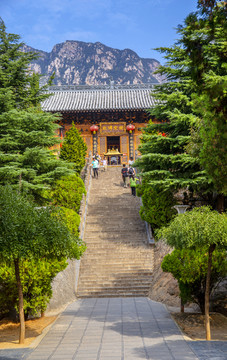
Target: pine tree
(209, 101)
(26, 132)
(74, 149)
(25, 160)
(19, 87)
(165, 161)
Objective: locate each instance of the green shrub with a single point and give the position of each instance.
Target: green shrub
(36, 278)
(72, 220)
(157, 205)
(189, 267)
(74, 149)
(68, 192)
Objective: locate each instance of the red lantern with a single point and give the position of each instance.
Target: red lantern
(94, 128)
(130, 128)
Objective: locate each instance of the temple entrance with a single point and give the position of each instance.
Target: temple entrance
(113, 150)
(113, 143)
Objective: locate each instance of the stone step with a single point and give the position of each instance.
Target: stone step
(117, 254)
(116, 228)
(117, 288)
(108, 234)
(102, 239)
(123, 262)
(119, 258)
(113, 293)
(117, 241)
(119, 277)
(139, 245)
(107, 216)
(93, 284)
(132, 263)
(98, 271)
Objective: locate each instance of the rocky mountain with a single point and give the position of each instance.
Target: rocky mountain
(81, 63)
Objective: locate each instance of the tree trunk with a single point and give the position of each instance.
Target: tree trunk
(21, 302)
(220, 203)
(207, 293)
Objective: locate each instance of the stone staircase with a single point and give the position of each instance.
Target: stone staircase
(118, 260)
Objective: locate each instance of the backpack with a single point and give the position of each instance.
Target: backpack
(124, 171)
(131, 171)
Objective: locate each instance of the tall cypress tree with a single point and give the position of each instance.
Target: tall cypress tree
(26, 132)
(165, 161)
(19, 87)
(208, 141)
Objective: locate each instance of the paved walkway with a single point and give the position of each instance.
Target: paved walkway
(117, 329)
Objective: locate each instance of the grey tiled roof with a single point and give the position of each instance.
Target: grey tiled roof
(99, 98)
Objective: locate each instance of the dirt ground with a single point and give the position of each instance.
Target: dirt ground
(9, 331)
(191, 324)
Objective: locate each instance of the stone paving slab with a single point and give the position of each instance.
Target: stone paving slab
(117, 328)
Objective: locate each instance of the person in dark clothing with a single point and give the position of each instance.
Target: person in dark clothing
(131, 172)
(124, 173)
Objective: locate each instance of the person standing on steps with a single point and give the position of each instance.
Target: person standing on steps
(131, 172)
(133, 180)
(104, 163)
(131, 161)
(98, 157)
(95, 167)
(124, 173)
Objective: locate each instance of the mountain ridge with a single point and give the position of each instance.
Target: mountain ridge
(85, 63)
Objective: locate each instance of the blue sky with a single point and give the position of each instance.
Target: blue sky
(140, 25)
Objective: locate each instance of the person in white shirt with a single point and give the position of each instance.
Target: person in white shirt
(130, 162)
(104, 163)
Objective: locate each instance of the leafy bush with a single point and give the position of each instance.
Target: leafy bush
(189, 267)
(72, 220)
(36, 278)
(68, 192)
(157, 205)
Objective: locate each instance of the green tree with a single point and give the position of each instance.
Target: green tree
(194, 71)
(25, 160)
(74, 148)
(198, 229)
(19, 87)
(26, 132)
(30, 233)
(189, 267)
(209, 99)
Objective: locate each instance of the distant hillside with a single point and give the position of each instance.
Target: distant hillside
(80, 63)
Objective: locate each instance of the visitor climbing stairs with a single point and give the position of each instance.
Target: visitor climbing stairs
(118, 260)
